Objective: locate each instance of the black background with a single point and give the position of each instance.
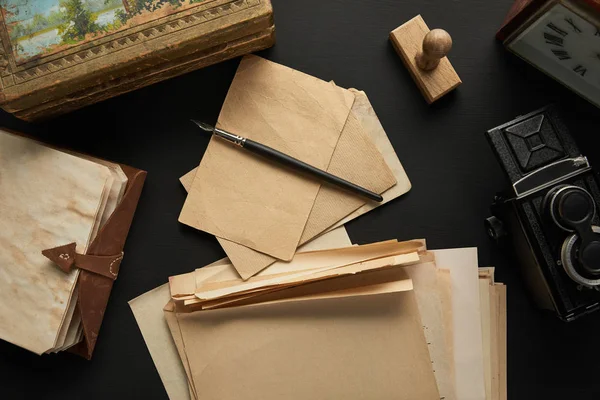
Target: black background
(442, 148)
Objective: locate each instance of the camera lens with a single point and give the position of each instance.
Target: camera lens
(590, 257)
(582, 264)
(571, 206)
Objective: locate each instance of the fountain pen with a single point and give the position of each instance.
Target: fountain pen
(290, 162)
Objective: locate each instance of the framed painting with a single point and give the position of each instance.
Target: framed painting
(60, 55)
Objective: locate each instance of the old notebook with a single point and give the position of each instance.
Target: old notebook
(56, 59)
(80, 205)
(365, 156)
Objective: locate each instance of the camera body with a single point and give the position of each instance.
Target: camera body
(550, 212)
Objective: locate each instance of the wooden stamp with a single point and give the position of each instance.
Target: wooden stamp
(424, 54)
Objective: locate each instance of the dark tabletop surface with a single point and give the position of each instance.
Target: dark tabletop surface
(442, 147)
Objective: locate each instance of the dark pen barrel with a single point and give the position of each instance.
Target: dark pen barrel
(298, 165)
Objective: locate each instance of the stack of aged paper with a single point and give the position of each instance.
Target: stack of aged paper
(49, 198)
(261, 212)
(384, 320)
(493, 323)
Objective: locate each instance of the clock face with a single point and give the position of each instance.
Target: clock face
(566, 46)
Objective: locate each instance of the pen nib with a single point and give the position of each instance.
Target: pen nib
(203, 126)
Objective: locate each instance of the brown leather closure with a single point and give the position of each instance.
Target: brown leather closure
(66, 258)
(94, 290)
(63, 256)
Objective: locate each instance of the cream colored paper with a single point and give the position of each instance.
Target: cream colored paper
(69, 324)
(117, 190)
(334, 239)
(466, 314)
(344, 348)
(357, 160)
(237, 195)
(363, 284)
(48, 198)
(110, 181)
(148, 312)
(494, 343)
(306, 264)
(493, 325)
(248, 262)
(501, 301)
(486, 333)
(171, 319)
(426, 287)
(299, 278)
(445, 294)
(73, 333)
(331, 258)
(365, 113)
(185, 285)
(221, 280)
(226, 279)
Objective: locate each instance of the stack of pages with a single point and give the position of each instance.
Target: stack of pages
(388, 320)
(51, 198)
(261, 212)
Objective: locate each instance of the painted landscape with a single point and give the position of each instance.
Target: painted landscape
(41, 27)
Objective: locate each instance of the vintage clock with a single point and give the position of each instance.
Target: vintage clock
(559, 37)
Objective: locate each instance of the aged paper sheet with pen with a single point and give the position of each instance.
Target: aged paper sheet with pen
(245, 199)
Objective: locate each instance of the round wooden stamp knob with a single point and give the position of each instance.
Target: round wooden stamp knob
(436, 45)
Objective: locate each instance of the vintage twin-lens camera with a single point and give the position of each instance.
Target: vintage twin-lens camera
(550, 213)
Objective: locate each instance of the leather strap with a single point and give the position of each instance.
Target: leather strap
(66, 258)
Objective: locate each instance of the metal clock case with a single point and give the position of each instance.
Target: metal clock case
(550, 213)
(560, 38)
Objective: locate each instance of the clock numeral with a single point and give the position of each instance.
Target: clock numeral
(580, 70)
(575, 27)
(553, 39)
(557, 29)
(561, 54)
